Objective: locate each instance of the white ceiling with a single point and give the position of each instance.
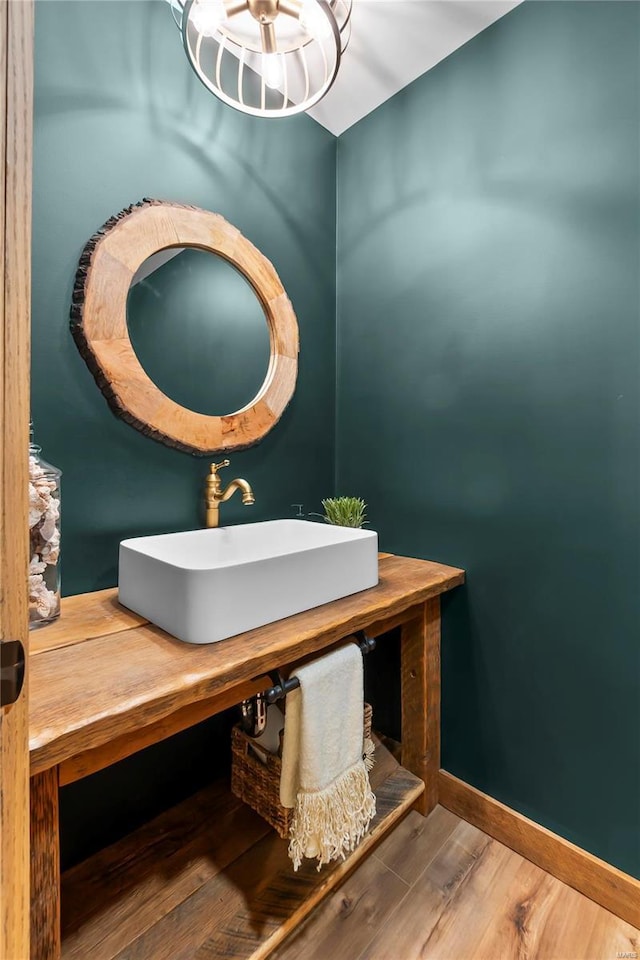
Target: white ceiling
(392, 43)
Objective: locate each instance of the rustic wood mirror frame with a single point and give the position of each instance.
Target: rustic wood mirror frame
(99, 325)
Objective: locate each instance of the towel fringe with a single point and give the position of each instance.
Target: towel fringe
(369, 754)
(330, 823)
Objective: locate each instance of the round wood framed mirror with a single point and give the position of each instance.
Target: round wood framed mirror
(110, 262)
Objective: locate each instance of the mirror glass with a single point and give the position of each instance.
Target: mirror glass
(199, 330)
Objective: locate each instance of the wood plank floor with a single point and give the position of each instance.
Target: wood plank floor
(439, 889)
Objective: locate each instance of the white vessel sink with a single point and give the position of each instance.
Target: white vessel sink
(207, 585)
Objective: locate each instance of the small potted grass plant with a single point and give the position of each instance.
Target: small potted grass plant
(345, 511)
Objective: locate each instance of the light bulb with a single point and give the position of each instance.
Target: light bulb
(207, 15)
(272, 70)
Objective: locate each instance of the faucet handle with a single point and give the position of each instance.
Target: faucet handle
(216, 466)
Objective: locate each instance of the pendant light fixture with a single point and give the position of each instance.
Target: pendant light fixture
(267, 58)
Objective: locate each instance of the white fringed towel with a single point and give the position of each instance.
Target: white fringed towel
(324, 776)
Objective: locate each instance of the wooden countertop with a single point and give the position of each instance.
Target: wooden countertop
(101, 671)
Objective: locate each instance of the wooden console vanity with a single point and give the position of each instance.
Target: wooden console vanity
(206, 879)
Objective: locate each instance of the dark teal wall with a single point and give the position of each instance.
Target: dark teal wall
(488, 396)
(119, 116)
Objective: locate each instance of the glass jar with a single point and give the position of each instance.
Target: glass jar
(44, 539)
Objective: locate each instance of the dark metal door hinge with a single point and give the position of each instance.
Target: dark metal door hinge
(11, 671)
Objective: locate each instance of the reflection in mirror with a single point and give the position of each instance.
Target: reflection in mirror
(199, 330)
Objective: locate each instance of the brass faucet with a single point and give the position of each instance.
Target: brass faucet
(214, 494)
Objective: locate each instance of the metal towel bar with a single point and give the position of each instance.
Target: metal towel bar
(279, 690)
(254, 710)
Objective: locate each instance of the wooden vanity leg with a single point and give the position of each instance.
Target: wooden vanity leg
(420, 639)
(45, 867)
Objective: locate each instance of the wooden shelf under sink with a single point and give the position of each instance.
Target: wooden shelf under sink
(209, 879)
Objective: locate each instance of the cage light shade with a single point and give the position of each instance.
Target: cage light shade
(272, 65)
(341, 9)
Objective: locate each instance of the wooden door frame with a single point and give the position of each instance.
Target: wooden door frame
(16, 123)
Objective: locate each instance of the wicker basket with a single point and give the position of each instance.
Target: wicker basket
(257, 782)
